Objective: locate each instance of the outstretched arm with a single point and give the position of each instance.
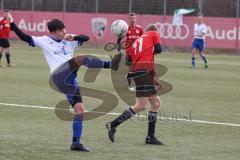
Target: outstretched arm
(24, 37)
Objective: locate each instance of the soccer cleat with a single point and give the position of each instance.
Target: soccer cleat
(153, 140)
(111, 131)
(116, 59)
(78, 147)
(11, 65)
(206, 66)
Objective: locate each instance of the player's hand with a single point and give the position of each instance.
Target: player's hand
(10, 18)
(69, 37)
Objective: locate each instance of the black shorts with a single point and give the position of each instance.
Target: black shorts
(144, 81)
(4, 43)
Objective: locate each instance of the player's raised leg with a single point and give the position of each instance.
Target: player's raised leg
(65, 79)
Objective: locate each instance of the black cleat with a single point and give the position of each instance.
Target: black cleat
(153, 140)
(205, 66)
(78, 147)
(111, 131)
(116, 59)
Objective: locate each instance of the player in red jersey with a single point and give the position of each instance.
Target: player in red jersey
(142, 54)
(134, 32)
(4, 35)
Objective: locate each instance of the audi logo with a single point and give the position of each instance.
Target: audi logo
(171, 31)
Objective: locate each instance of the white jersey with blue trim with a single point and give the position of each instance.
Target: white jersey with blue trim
(55, 53)
(200, 29)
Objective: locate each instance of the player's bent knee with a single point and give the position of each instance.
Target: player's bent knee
(155, 102)
(78, 59)
(194, 51)
(79, 108)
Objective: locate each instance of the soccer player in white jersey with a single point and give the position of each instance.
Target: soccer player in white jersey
(198, 44)
(58, 49)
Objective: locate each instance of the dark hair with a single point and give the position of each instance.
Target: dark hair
(55, 25)
(6, 11)
(131, 14)
(200, 14)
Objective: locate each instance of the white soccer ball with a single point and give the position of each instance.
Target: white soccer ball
(119, 28)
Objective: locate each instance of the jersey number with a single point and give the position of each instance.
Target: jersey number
(138, 45)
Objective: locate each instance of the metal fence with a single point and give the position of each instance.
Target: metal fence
(215, 8)
(222, 17)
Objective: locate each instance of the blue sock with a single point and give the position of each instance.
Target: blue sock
(204, 59)
(0, 56)
(92, 62)
(193, 61)
(77, 129)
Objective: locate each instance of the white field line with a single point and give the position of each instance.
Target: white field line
(116, 114)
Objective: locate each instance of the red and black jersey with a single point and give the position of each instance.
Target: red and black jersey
(4, 28)
(142, 51)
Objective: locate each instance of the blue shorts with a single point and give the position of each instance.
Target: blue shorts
(64, 80)
(198, 44)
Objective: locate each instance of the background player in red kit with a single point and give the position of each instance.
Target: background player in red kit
(4, 35)
(142, 54)
(134, 32)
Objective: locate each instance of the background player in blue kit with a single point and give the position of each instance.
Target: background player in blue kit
(198, 44)
(58, 49)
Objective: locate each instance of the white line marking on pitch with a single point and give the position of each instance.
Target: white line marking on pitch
(143, 116)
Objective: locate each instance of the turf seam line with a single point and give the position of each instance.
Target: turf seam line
(214, 62)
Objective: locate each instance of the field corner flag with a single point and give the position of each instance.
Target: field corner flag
(178, 15)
